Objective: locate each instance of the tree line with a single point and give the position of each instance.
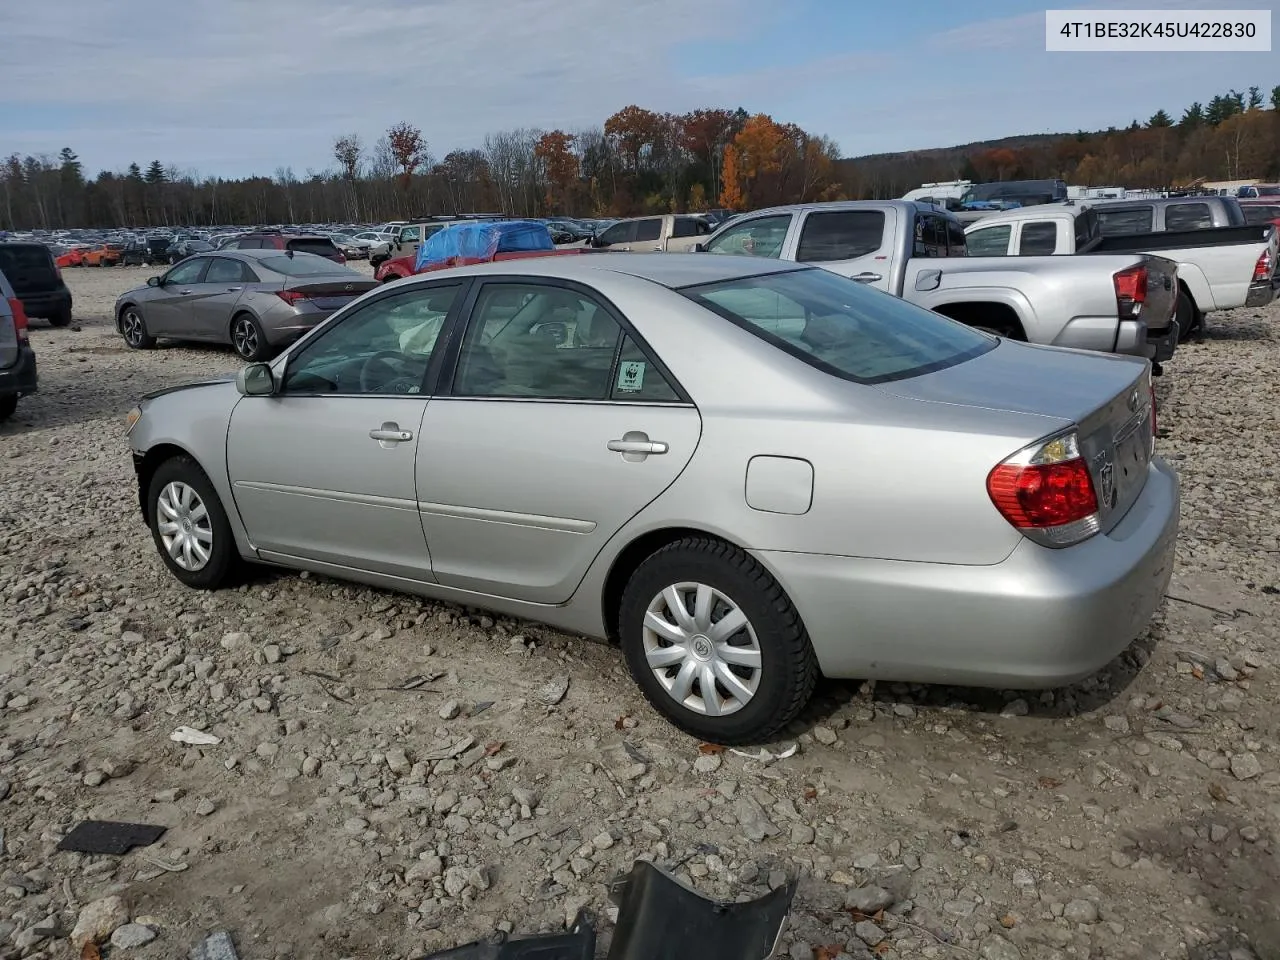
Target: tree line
(638, 161)
(1231, 136)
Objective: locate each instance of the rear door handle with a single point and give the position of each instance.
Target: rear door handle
(389, 434)
(866, 277)
(628, 444)
(234, 289)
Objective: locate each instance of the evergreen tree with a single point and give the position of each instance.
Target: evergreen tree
(1160, 119)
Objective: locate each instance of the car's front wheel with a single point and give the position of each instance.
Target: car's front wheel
(134, 329)
(714, 642)
(189, 526)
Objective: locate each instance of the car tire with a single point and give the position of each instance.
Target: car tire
(247, 338)
(190, 526)
(762, 672)
(8, 406)
(134, 329)
(62, 318)
(1185, 316)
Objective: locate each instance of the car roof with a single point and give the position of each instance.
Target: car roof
(673, 270)
(1040, 211)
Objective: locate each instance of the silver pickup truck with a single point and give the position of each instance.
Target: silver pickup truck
(1121, 303)
(1218, 267)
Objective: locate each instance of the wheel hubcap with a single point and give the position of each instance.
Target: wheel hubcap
(702, 649)
(246, 338)
(183, 523)
(132, 327)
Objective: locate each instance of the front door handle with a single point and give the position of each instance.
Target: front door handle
(234, 289)
(635, 445)
(866, 277)
(389, 434)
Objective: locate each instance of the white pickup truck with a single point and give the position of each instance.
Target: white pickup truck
(1121, 303)
(1218, 267)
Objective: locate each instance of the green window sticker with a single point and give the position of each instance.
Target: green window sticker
(631, 376)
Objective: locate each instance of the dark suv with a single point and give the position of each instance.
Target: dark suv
(37, 281)
(298, 243)
(17, 362)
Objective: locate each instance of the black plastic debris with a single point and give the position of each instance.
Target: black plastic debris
(661, 919)
(108, 836)
(578, 944)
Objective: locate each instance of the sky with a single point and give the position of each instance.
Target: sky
(235, 87)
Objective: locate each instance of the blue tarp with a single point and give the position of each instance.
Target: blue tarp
(482, 240)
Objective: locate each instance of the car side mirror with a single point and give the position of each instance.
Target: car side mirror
(256, 380)
(699, 248)
(153, 281)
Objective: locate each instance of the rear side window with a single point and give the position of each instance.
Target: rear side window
(1086, 227)
(650, 229)
(989, 241)
(1039, 239)
(840, 235)
(957, 245)
(685, 227)
(1119, 223)
(930, 237)
(320, 246)
(1187, 216)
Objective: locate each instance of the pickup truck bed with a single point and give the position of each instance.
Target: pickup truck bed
(1181, 240)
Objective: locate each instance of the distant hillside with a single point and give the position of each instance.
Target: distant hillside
(963, 149)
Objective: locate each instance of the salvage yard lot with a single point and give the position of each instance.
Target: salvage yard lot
(397, 775)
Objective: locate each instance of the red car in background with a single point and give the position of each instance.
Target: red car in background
(65, 257)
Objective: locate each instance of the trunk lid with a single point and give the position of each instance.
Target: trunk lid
(1108, 397)
(330, 294)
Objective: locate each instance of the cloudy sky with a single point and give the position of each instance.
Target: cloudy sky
(232, 87)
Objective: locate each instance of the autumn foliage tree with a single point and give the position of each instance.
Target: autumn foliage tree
(560, 166)
(408, 149)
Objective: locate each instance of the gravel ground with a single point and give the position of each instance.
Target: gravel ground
(396, 776)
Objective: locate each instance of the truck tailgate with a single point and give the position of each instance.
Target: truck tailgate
(1162, 293)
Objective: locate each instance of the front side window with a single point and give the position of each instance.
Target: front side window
(410, 234)
(1039, 239)
(761, 237)
(988, 242)
(618, 233)
(648, 229)
(1187, 216)
(841, 235)
(382, 348)
(685, 227)
(189, 271)
(840, 326)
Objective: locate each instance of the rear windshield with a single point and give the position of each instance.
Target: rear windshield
(319, 246)
(1261, 212)
(840, 326)
(304, 265)
(23, 257)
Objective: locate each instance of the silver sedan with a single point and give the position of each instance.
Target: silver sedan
(745, 473)
(255, 300)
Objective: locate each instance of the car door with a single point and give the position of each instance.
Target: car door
(216, 296)
(323, 470)
(853, 243)
(558, 427)
(168, 309)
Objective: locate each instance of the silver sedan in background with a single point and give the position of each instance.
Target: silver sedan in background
(257, 301)
(744, 472)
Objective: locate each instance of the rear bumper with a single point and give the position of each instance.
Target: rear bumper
(1040, 618)
(1261, 293)
(21, 377)
(46, 304)
(1132, 340)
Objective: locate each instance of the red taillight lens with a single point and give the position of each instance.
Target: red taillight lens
(1045, 490)
(19, 320)
(1131, 291)
(342, 258)
(291, 297)
(1262, 269)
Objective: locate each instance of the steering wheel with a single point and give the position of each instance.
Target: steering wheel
(398, 382)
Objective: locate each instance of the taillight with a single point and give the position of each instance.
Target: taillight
(1262, 269)
(1131, 291)
(19, 320)
(291, 297)
(1045, 490)
(342, 258)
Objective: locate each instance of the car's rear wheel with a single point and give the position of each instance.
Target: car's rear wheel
(714, 642)
(62, 318)
(134, 329)
(248, 339)
(189, 526)
(1185, 316)
(8, 406)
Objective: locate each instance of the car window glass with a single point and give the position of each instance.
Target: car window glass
(760, 237)
(1038, 239)
(1260, 213)
(618, 233)
(247, 274)
(381, 348)
(1187, 216)
(648, 229)
(537, 341)
(840, 235)
(957, 245)
(1117, 223)
(930, 237)
(988, 242)
(684, 227)
(320, 246)
(638, 377)
(409, 235)
(223, 271)
(188, 271)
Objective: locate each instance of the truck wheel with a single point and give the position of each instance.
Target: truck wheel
(7, 406)
(1185, 316)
